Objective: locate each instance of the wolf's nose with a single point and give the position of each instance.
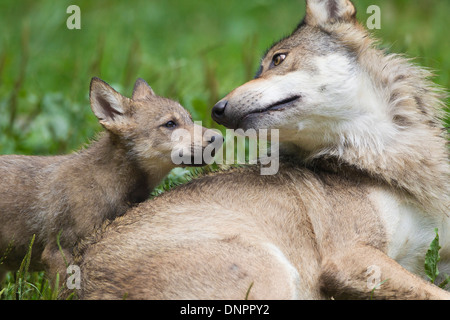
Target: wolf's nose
(219, 109)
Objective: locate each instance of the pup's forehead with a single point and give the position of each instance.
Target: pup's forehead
(161, 106)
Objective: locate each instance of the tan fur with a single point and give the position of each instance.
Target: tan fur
(417, 165)
(347, 199)
(287, 234)
(76, 193)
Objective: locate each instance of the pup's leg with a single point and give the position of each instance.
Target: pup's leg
(353, 274)
(55, 262)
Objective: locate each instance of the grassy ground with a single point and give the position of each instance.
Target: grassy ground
(191, 51)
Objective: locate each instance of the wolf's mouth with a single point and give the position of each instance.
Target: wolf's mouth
(277, 106)
(281, 104)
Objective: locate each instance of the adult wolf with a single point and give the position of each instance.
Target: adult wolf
(353, 208)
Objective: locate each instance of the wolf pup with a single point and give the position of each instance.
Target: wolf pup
(75, 193)
(350, 215)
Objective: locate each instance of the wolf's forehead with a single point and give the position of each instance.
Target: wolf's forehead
(307, 39)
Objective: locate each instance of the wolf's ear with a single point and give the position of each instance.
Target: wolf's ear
(108, 105)
(319, 12)
(142, 90)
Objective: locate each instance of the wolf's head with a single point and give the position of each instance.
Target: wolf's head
(326, 84)
(145, 125)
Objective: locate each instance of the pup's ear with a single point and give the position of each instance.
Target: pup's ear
(141, 90)
(319, 12)
(108, 105)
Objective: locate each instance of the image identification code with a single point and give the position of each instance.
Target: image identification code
(246, 309)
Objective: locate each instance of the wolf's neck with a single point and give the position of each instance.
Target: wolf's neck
(413, 160)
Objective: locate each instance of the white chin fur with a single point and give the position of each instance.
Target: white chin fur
(339, 104)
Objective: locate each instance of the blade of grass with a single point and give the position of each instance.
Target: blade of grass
(376, 287)
(444, 283)
(248, 291)
(54, 293)
(60, 248)
(7, 251)
(23, 270)
(432, 258)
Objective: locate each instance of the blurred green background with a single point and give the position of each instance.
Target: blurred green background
(194, 51)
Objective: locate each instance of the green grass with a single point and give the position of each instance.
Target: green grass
(33, 286)
(23, 285)
(191, 51)
(431, 262)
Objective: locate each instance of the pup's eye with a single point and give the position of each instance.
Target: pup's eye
(278, 58)
(170, 124)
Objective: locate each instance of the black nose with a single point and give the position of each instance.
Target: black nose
(219, 109)
(213, 138)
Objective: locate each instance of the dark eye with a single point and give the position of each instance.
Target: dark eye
(170, 124)
(278, 59)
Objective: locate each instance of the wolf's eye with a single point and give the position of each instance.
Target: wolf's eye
(170, 124)
(278, 58)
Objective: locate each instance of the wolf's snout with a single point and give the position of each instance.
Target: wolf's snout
(218, 110)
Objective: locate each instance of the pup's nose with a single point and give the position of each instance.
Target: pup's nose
(219, 109)
(213, 138)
